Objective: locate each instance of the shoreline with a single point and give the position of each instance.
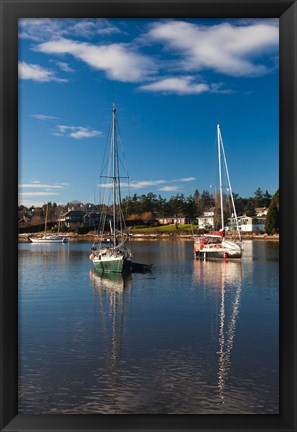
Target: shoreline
(91, 237)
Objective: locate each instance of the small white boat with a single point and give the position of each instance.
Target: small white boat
(48, 238)
(214, 244)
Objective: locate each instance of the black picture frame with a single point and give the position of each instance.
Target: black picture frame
(11, 11)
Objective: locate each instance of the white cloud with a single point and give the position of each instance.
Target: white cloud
(42, 186)
(187, 179)
(169, 188)
(225, 48)
(43, 117)
(43, 29)
(38, 29)
(76, 132)
(119, 61)
(37, 73)
(147, 183)
(134, 184)
(177, 85)
(48, 191)
(88, 28)
(44, 193)
(64, 66)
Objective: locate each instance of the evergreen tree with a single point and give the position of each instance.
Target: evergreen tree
(240, 204)
(258, 200)
(266, 199)
(249, 208)
(197, 203)
(206, 200)
(272, 218)
(190, 207)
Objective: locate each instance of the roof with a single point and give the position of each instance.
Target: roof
(74, 213)
(175, 217)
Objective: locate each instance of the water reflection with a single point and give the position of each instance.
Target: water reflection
(172, 343)
(112, 290)
(224, 278)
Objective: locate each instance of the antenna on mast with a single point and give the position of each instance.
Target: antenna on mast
(112, 93)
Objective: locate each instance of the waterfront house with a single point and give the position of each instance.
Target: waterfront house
(91, 218)
(167, 220)
(206, 220)
(72, 217)
(247, 223)
(261, 211)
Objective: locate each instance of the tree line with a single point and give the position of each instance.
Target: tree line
(193, 205)
(148, 207)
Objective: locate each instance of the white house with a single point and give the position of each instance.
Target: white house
(167, 220)
(261, 211)
(206, 221)
(248, 223)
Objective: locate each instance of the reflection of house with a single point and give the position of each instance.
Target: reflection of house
(206, 221)
(174, 219)
(248, 223)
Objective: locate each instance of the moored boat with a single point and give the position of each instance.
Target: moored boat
(48, 238)
(214, 244)
(110, 253)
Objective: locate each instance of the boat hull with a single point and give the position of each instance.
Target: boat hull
(204, 254)
(41, 240)
(222, 250)
(112, 265)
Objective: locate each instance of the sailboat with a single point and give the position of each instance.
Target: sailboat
(214, 244)
(110, 253)
(48, 238)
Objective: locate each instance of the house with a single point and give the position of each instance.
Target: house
(91, 218)
(72, 217)
(261, 211)
(167, 220)
(247, 223)
(206, 221)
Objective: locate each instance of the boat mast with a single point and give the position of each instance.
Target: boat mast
(45, 222)
(114, 169)
(229, 185)
(220, 175)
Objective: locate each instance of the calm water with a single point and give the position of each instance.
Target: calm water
(191, 337)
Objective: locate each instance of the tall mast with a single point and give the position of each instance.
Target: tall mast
(46, 216)
(114, 169)
(220, 175)
(230, 188)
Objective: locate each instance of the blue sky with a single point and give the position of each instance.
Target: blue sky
(173, 80)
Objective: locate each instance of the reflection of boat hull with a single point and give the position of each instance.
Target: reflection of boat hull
(114, 264)
(48, 239)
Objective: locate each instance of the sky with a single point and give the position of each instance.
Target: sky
(173, 81)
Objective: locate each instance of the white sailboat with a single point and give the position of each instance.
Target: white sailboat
(110, 253)
(214, 244)
(48, 238)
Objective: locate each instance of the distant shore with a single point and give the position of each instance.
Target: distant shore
(24, 238)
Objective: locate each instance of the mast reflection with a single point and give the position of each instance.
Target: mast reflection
(225, 279)
(112, 292)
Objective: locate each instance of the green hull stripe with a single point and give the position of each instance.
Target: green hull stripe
(115, 266)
